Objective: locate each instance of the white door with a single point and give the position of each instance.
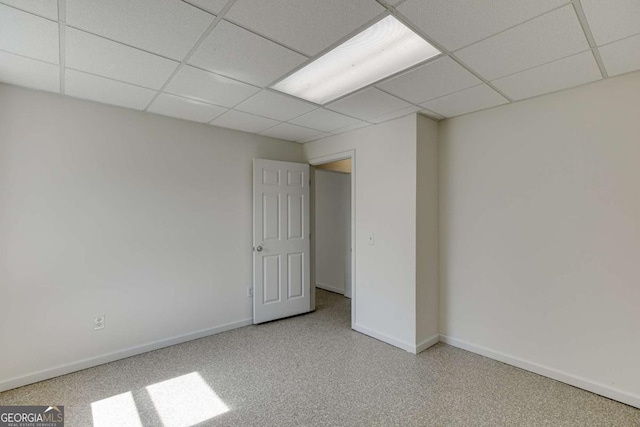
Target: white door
(281, 284)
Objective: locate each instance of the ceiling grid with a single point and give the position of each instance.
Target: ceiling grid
(587, 32)
(193, 50)
(62, 27)
(219, 59)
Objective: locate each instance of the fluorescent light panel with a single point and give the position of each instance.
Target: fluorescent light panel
(381, 50)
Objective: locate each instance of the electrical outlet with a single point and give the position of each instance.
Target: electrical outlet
(98, 322)
(250, 292)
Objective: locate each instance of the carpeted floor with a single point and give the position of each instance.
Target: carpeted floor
(314, 370)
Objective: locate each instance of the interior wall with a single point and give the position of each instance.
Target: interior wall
(385, 206)
(540, 234)
(333, 220)
(109, 211)
(427, 285)
(346, 239)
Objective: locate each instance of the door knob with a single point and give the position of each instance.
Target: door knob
(259, 249)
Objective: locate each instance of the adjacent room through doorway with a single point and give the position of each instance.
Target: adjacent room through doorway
(332, 227)
(333, 231)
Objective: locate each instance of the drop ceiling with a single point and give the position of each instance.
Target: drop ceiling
(213, 61)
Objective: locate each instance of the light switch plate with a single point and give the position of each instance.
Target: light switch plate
(372, 239)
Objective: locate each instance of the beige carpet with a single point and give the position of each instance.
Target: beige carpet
(314, 370)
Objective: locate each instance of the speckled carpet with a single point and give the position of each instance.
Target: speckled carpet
(313, 370)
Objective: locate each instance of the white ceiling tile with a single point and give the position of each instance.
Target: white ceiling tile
(22, 71)
(213, 6)
(165, 27)
(244, 121)
(324, 120)
(432, 80)
(622, 56)
(316, 137)
(291, 132)
(93, 54)
(306, 25)
(28, 35)
(46, 8)
(466, 101)
(235, 52)
(431, 115)
(350, 128)
(611, 20)
(562, 74)
(545, 39)
(368, 104)
(275, 106)
(208, 87)
(455, 24)
(396, 114)
(100, 89)
(183, 108)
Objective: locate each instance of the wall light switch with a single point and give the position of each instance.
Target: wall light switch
(372, 239)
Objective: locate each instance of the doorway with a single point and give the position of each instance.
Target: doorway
(333, 220)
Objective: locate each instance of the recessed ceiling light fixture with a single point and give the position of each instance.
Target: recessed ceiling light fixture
(381, 50)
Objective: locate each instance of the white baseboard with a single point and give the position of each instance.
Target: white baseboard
(330, 288)
(411, 348)
(431, 341)
(46, 374)
(592, 386)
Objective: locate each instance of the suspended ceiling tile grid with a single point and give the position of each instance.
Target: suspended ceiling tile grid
(213, 61)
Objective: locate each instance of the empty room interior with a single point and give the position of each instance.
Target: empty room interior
(319, 213)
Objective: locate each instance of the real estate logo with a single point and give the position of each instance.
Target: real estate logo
(31, 416)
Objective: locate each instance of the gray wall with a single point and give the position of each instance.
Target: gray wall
(385, 205)
(540, 233)
(103, 210)
(427, 303)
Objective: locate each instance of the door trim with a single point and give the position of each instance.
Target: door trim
(343, 155)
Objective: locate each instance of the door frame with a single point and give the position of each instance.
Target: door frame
(343, 155)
